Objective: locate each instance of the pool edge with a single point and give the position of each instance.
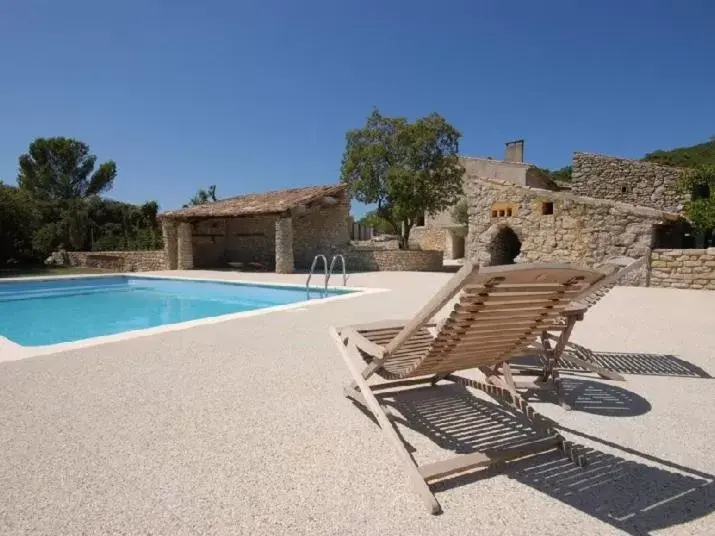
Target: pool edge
(12, 351)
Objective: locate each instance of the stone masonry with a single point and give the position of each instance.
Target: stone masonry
(184, 249)
(320, 232)
(253, 239)
(120, 261)
(683, 268)
(534, 225)
(435, 234)
(629, 181)
(393, 260)
(168, 230)
(249, 239)
(284, 246)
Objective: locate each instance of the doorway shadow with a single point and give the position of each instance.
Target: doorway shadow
(625, 492)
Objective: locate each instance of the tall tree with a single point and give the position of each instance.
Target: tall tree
(61, 169)
(406, 168)
(60, 173)
(381, 226)
(17, 221)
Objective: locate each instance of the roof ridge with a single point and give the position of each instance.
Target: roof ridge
(270, 202)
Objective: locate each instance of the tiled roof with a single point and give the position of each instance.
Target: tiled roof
(252, 204)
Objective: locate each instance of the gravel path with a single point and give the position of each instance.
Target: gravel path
(241, 428)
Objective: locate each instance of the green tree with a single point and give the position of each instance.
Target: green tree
(562, 175)
(18, 218)
(699, 182)
(61, 169)
(60, 174)
(119, 226)
(382, 226)
(460, 212)
(203, 196)
(406, 168)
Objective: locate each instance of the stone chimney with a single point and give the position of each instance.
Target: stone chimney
(514, 151)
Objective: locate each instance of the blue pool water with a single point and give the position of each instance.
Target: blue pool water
(34, 313)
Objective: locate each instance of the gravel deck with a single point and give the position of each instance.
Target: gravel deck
(241, 428)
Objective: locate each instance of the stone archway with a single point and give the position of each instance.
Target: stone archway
(504, 247)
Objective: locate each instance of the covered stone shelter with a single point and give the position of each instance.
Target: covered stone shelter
(282, 230)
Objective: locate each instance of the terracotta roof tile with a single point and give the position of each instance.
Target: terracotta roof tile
(264, 203)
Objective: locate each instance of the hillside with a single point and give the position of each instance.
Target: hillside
(695, 155)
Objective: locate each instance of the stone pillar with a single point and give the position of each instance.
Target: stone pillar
(284, 246)
(168, 231)
(185, 247)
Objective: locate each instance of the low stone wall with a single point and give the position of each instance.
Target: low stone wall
(683, 268)
(120, 261)
(365, 260)
(375, 244)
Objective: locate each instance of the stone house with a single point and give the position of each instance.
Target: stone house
(283, 230)
(441, 232)
(514, 223)
(629, 181)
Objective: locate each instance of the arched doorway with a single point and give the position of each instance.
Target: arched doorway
(504, 247)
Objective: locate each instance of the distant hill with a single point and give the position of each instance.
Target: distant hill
(695, 155)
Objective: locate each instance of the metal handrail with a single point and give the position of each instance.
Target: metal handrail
(312, 269)
(332, 265)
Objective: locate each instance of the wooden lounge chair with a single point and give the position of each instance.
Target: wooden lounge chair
(501, 310)
(555, 350)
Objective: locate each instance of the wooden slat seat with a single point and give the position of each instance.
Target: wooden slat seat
(500, 313)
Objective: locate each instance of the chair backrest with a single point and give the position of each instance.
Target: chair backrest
(468, 272)
(500, 312)
(620, 268)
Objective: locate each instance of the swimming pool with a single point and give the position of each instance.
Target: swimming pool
(37, 313)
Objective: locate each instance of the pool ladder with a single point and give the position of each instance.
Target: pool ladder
(328, 271)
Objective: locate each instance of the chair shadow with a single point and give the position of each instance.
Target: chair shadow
(597, 398)
(633, 363)
(629, 495)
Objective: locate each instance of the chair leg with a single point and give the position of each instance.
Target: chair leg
(604, 373)
(351, 356)
(558, 388)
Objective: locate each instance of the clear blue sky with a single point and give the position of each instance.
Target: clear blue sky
(258, 95)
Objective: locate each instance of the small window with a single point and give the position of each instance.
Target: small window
(501, 213)
(547, 207)
(508, 213)
(494, 213)
(624, 189)
(420, 221)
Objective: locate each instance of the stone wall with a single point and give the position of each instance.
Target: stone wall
(554, 227)
(683, 268)
(432, 238)
(322, 231)
(364, 260)
(219, 241)
(252, 239)
(120, 261)
(629, 181)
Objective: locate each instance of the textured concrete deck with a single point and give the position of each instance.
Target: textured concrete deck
(241, 428)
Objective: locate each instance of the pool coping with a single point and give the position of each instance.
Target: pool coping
(11, 351)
